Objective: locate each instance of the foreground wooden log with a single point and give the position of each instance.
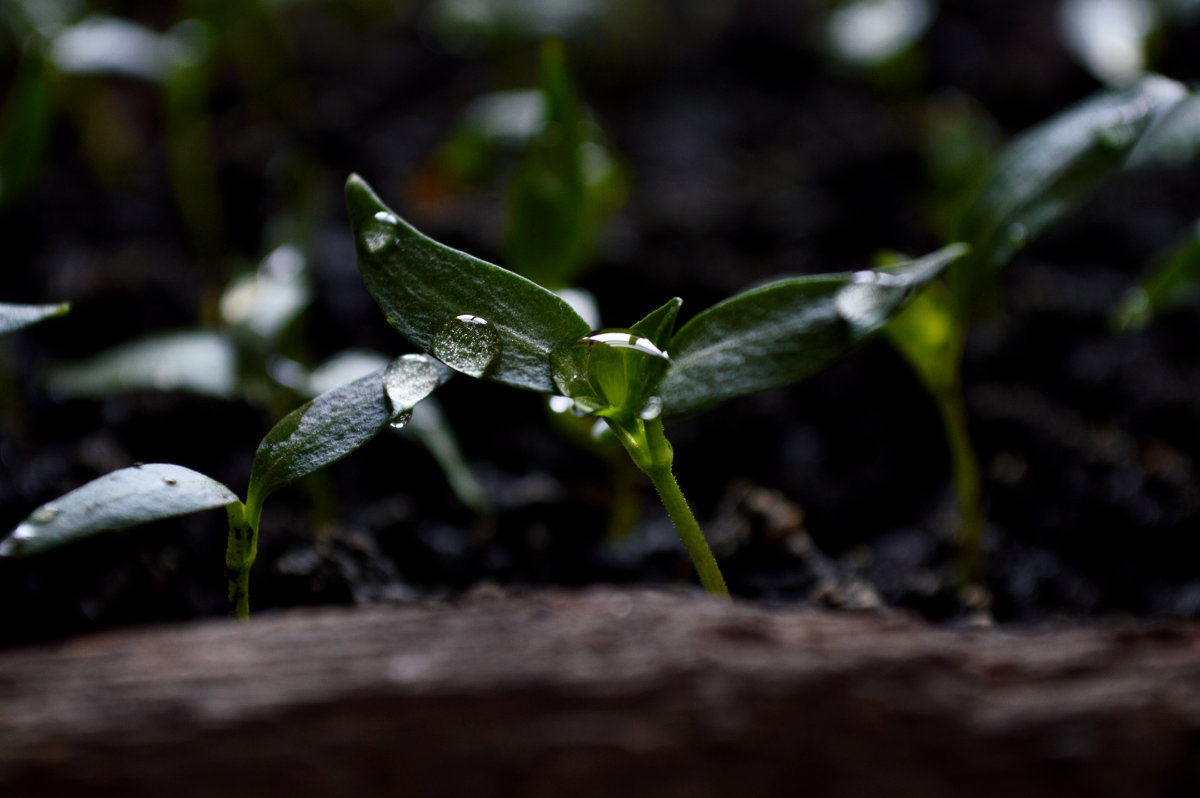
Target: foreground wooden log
(627, 693)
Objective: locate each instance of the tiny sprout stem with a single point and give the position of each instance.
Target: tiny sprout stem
(239, 556)
(968, 485)
(650, 450)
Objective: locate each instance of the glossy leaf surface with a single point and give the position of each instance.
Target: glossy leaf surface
(324, 431)
(422, 286)
(14, 317)
(123, 498)
(659, 325)
(786, 330)
(1046, 171)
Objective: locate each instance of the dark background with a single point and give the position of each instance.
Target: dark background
(752, 153)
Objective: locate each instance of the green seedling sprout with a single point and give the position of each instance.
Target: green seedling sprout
(14, 317)
(1035, 180)
(489, 323)
(309, 438)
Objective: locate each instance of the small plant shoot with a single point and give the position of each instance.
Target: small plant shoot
(308, 439)
(14, 317)
(517, 333)
(1034, 181)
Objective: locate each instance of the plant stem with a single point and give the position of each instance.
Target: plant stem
(239, 556)
(651, 452)
(968, 485)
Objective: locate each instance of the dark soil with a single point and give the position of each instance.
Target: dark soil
(752, 156)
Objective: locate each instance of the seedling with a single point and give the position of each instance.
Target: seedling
(14, 317)
(309, 438)
(489, 323)
(1036, 179)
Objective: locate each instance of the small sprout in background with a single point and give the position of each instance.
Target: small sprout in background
(867, 33)
(1035, 180)
(14, 317)
(630, 379)
(1172, 284)
(1109, 37)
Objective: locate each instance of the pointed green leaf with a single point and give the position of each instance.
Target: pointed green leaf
(197, 361)
(659, 325)
(336, 423)
(549, 236)
(123, 498)
(785, 331)
(423, 286)
(927, 335)
(1173, 283)
(1051, 168)
(14, 317)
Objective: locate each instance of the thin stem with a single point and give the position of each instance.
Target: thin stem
(239, 556)
(968, 485)
(651, 452)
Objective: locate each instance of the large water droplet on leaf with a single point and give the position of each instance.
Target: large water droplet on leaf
(869, 298)
(407, 380)
(401, 421)
(468, 344)
(610, 373)
(379, 233)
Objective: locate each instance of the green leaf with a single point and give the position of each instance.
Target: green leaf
(786, 330)
(928, 336)
(659, 325)
(1172, 140)
(200, 362)
(1173, 283)
(1048, 170)
(25, 123)
(423, 287)
(336, 423)
(123, 498)
(14, 317)
(549, 235)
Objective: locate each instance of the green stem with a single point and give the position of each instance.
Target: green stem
(651, 452)
(968, 484)
(239, 556)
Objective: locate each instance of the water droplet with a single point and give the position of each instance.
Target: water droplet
(468, 344)
(1116, 136)
(407, 380)
(561, 404)
(609, 373)
(401, 421)
(869, 297)
(42, 515)
(601, 431)
(652, 409)
(380, 232)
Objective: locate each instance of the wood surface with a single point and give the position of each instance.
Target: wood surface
(603, 693)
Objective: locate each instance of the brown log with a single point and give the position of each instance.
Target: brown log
(603, 693)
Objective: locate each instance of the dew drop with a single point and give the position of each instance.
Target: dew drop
(380, 233)
(652, 409)
(401, 420)
(468, 344)
(407, 380)
(867, 299)
(42, 515)
(561, 404)
(609, 373)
